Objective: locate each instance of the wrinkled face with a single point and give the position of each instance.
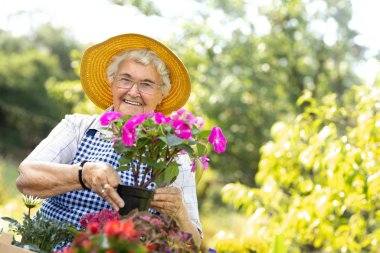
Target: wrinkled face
(130, 101)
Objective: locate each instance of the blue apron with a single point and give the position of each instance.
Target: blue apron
(71, 206)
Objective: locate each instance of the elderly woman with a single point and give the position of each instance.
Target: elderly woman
(74, 168)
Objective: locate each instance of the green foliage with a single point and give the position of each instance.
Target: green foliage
(38, 233)
(248, 70)
(2, 197)
(248, 244)
(31, 72)
(319, 177)
(146, 7)
(157, 141)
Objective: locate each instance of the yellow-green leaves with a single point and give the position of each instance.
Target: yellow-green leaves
(319, 179)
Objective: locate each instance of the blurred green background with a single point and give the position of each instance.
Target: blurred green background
(302, 125)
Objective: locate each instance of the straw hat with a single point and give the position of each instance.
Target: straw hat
(97, 58)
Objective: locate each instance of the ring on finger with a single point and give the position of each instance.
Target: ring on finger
(105, 187)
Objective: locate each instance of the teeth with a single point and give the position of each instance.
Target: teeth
(132, 102)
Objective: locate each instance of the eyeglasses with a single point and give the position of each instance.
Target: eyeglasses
(124, 82)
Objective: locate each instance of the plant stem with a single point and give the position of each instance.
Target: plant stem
(148, 168)
(153, 177)
(144, 176)
(135, 172)
(138, 171)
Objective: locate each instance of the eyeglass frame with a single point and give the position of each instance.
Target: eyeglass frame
(118, 78)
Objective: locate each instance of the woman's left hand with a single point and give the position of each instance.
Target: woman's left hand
(169, 201)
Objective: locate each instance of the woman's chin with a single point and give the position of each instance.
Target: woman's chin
(127, 110)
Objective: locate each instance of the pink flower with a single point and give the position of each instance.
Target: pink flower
(107, 215)
(199, 122)
(135, 120)
(218, 140)
(86, 219)
(181, 111)
(108, 117)
(157, 222)
(182, 130)
(182, 152)
(100, 217)
(190, 119)
(151, 114)
(161, 119)
(177, 114)
(128, 136)
(204, 160)
(194, 165)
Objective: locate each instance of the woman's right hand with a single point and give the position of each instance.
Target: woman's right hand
(103, 179)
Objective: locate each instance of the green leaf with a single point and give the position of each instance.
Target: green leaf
(194, 131)
(123, 168)
(201, 149)
(168, 176)
(279, 244)
(150, 162)
(173, 140)
(10, 220)
(192, 142)
(187, 148)
(126, 158)
(204, 134)
(121, 148)
(164, 139)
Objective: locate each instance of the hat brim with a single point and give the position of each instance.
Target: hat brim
(97, 58)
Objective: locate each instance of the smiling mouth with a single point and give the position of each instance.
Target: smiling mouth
(132, 102)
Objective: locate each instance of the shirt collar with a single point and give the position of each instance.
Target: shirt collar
(97, 126)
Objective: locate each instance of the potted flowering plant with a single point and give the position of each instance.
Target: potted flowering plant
(35, 234)
(139, 231)
(157, 141)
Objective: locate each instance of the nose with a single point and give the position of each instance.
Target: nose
(134, 90)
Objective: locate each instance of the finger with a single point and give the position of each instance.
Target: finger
(168, 190)
(111, 202)
(96, 173)
(166, 208)
(163, 206)
(167, 197)
(110, 195)
(114, 179)
(106, 194)
(115, 197)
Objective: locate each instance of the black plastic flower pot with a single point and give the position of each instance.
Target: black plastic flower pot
(134, 197)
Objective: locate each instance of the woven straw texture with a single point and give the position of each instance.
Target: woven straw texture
(97, 58)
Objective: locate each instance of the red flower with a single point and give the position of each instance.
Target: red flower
(86, 243)
(93, 228)
(112, 228)
(151, 247)
(128, 231)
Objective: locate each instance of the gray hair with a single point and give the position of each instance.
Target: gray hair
(145, 57)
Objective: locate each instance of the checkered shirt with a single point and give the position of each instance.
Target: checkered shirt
(80, 137)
